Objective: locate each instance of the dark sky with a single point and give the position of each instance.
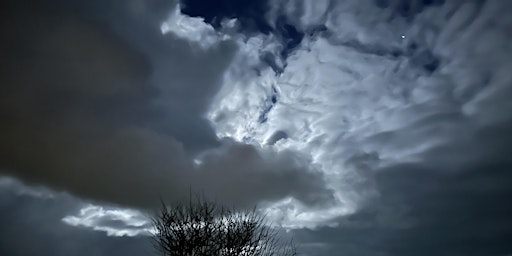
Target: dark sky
(375, 127)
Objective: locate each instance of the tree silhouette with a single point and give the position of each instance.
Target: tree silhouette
(203, 228)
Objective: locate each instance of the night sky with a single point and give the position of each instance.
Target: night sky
(362, 127)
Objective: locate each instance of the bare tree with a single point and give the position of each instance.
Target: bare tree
(203, 228)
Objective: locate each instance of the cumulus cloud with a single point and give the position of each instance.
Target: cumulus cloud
(393, 79)
(414, 127)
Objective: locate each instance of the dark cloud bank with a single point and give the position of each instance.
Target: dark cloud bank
(434, 207)
(96, 102)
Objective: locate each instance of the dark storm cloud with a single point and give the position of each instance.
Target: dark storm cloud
(111, 61)
(452, 200)
(266, 174)
(431, 208)
(440, 206)
(80, 109)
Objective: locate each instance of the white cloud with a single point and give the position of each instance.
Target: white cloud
(359, 88)
(193, 29)
(113, 221)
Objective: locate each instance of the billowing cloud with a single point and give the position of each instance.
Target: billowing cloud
(381, 125)
(386, 82)
(440, 205)
(117, 115)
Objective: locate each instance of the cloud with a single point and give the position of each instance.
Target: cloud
(117, 115)
(272, 174)
(250, 14)
(32, 225)
(398, 81)
(190, 28)
(433, 207)
(16, 187)
(369, 121)
(412, 130)
(115, 222)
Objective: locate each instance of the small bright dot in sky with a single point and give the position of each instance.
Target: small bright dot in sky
(403, 37)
